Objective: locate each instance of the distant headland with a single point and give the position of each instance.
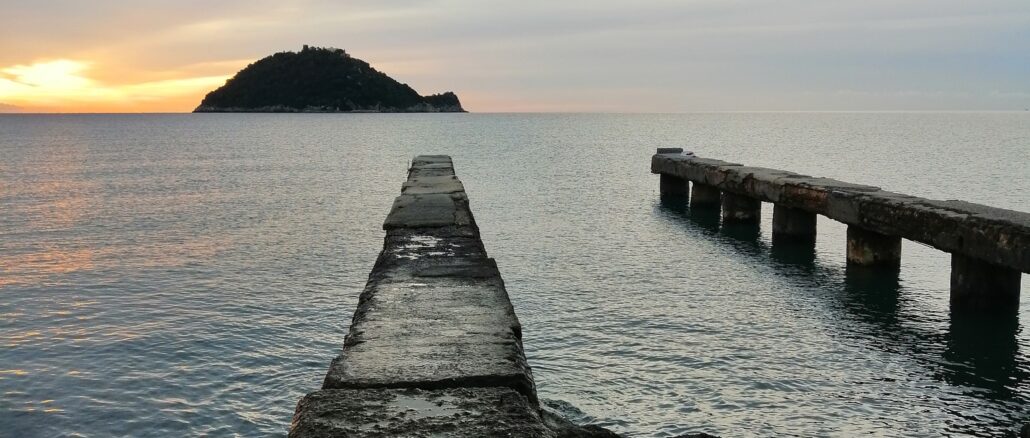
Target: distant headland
(319, 79)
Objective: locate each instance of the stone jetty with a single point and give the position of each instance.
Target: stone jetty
(990, 247)
(434, 347)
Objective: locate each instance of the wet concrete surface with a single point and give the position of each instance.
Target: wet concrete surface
(455, 412)
(434, 347)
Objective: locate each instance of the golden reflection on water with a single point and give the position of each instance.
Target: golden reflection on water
(170, 251)
(44, 406)
(111, 332)
(64, 198)
(59, 200)
(36, 267)
(65, 205)
(40, 267)
(15, 338)
(60, 197)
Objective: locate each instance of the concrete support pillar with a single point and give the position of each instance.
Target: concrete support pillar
(981, 287)
(870, 248)
(791, 224)
(673, 186)
(704, 195)
(740, 209)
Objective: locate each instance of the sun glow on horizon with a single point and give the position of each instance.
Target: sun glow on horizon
(64, 85)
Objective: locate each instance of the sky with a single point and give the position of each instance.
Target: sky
(528, 55)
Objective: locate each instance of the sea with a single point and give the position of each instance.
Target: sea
(193, 274)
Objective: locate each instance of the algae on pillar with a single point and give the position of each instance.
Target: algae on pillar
(981, 287)
(870, 248)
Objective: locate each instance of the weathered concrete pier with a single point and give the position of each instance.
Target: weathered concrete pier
(990, 247)
(434, 348)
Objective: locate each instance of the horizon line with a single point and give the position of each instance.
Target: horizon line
(28, 113)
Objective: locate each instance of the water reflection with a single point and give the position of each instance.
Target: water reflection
(874, 293)
(706, 218)
(872, 296)
(981, 356)
(797, 253)
(37, 266)
(978, 355)
(744, 232)
(982, 352)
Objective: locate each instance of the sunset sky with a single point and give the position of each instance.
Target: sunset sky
(601, 55)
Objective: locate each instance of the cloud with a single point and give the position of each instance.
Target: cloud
(5, 108)
(651, 55)
(1021, 95)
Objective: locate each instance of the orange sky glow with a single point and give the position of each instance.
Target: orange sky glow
(65, 85)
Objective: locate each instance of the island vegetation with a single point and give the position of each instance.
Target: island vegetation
(320, 79)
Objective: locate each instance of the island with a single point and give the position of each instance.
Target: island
(320, 80)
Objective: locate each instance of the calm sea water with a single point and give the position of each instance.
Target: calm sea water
(183, 275)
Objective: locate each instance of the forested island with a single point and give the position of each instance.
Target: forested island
(320, 79)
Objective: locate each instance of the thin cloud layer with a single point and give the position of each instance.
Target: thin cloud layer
(5, 108)
(604, 55)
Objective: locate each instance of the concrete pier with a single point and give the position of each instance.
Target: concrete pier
(997, 240)
(434, 347)
(869, 248)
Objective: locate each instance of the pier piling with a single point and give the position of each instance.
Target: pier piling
(981, 287)
(704, 195)
(740, 209)
(869, 248)
(792, 224)
(674, 186)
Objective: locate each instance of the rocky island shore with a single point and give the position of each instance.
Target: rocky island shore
(320, 80)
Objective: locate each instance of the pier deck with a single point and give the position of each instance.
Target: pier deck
(434, 348)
